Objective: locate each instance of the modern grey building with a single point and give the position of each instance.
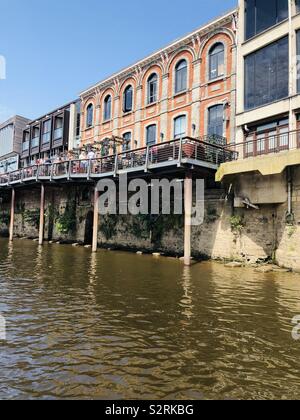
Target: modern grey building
(11, 135)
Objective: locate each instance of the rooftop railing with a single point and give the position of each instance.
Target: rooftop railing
(177, 152)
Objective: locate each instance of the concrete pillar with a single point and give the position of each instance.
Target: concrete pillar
(42, 215)
(188, 206)
(96, 221)
(12, 215)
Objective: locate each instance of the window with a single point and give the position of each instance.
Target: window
(216, 61)
(126, 142)
(90, 116)
(151, 135)
(298, 60)
(267, 74)
(181, 76)
(180, 127)
(107, 108)
(25, 144)
(47, 131)
(263, 14)
(128, 99)
(216, 120)
(297, 2)
(152, 89)
(35, 137)
(58, 128)
(78, 119)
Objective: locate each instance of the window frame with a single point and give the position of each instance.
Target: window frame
(152, 99)
(217, 54)
(181, 77)
(107, 116)
(126, 108)
(182, 134)
(90, 116)
(153, 142)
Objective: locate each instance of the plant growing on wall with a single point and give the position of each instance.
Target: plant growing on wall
(66, 222)
(4, 219)
(109, 226)
(237, 224)
(32, 217)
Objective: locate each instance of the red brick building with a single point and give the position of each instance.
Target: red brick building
(187, 88)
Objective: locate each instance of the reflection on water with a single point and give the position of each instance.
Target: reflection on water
(115, 325)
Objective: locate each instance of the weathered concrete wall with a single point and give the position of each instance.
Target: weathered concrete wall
(227, 232)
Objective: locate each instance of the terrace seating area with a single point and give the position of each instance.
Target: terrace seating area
(177, 153)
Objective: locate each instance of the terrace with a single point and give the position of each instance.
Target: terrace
(189, 153)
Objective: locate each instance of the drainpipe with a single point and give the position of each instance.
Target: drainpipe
(290, 215)
(291, 66)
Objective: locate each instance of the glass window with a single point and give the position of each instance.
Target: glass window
(263, 14)
(107, 108)
(90, 116)
(151, 135)
(216, 120)
(181, 76)
(47, 131)
(128, 99)
(180, 127)
(297, 6)
(267, 74)
(126, 146)
(216, 61)
(152, 89)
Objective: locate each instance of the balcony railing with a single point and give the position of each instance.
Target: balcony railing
(175, 153)
(267, 144)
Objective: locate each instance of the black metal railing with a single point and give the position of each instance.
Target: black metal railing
(176, 152)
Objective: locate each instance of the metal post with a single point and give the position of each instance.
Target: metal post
(42, 215)
(12, 215)
(96, 220)
(188, 205)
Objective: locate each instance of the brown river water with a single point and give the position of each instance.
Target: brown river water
(121, 326)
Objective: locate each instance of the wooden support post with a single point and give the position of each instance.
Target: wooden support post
(96, 221)
(188, 205)
(42, 215)
(12, 215)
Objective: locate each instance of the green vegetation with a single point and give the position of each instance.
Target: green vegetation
(237, 224)
(66, 222)
(32, 217)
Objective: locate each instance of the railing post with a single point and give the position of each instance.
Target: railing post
(89, 170)
(51, 171)
(22, 175)
(96, 220)
(188, 204)
(69, 169)
(42, 215)
(116, 168)
(37, 173)
(147, 159)
(180, 153)
(12, 215)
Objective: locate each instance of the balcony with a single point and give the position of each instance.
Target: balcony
(267, 154)
(174, 156)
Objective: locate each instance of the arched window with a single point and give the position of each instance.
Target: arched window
(181, 76)
(128, 99)
(126, 146)
(107, 108)
(180, 127)
(216, 120)
(216, 61)
(152, 89)
(90, 116)
(151, 135)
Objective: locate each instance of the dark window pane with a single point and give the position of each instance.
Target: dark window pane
(151, 135)
(266, 74)
(181, 77)
(216, 120)
(128, 99)
(263, 14)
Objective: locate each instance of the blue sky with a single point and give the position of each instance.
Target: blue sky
(54, 49)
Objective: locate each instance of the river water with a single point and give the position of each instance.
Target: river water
(121, 326)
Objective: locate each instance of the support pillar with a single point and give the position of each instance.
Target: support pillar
(12, 215)
(42, 215)
(96, 220)
(188, 206)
